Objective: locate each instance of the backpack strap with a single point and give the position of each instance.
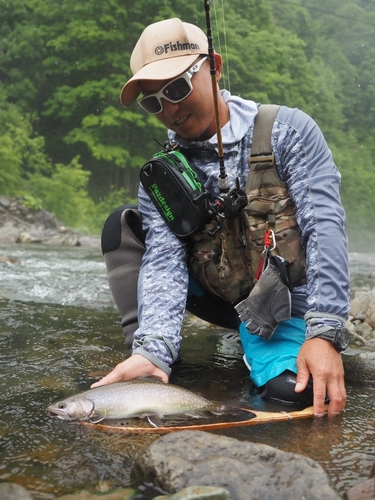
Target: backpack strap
(261, 150)
(262, 158)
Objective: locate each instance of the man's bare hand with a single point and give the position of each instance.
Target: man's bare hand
(320, 359)
(133, 367)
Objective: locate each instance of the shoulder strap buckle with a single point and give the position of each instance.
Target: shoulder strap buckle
(269, 158)
(261, 150)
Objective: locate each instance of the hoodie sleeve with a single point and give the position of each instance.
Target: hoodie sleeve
(162, 290)
(305, 163)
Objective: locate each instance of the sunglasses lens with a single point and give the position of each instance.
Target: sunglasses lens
(177, 90)
(151, 104)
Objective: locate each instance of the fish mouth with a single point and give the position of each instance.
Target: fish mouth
(72, 409)
(58, 413)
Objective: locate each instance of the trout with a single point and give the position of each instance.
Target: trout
(137, 398)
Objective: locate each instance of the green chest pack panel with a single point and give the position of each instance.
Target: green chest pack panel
(175, 191)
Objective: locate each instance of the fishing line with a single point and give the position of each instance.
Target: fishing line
(225, 75)
(217, 28)
(223, 178)
(229, 203)
(227, 85)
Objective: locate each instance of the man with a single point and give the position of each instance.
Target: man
(302, 354)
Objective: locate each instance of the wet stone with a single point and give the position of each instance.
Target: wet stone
(119, 494)
(12, 491)
(198, 493)
(362, 491)
(247, 470)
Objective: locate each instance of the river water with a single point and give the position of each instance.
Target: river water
(60, 331)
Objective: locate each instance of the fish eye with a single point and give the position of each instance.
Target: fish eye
(61, 406)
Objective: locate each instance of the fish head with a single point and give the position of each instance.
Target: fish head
(74, 408)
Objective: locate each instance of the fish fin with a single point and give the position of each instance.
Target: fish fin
(151, 422)
(95, 419)
(195, 415)
(233, 413)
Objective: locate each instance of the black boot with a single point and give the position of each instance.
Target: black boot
(281, 390)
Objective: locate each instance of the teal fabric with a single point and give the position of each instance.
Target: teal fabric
(195, 288)
(269, 358)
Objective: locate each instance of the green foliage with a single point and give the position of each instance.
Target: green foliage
(32, 203)
(358, 181)
(63, 63)
(355, 161)
(104, 207)
(21, 150)
(64, 192)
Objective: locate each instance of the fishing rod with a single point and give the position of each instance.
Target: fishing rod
(223, 178)
(230, 202)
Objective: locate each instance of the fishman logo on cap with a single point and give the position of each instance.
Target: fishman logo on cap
(161, 49)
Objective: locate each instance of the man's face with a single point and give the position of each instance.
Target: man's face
(193, 118)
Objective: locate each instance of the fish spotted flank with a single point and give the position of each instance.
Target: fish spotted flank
(136, 398)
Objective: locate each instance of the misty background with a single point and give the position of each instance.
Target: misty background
(67, 145)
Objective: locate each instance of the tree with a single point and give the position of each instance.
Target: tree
(21, 150)
(63, 63)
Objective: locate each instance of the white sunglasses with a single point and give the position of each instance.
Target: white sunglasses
(175, 91)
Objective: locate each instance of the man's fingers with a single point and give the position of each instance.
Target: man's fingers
(133, 367)
(319, 397)
(112, 377)
(301, 384)
(98, 384)
(335, 391)
(318, 358)
(337, 399)
(303, 376)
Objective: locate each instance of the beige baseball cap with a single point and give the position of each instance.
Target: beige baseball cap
(165, 50)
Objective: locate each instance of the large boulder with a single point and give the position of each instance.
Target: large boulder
(247, 470)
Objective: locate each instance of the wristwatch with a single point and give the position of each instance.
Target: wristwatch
(338, 336)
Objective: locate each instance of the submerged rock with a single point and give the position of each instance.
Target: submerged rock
(198, 493)
(119, 494)
(12, 491)
(247, 470)
(364, 490)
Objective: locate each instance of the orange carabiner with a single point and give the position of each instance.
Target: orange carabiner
(269, 240)
(269, 245)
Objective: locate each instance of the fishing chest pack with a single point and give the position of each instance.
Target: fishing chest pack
(181, 199)
(176, 192)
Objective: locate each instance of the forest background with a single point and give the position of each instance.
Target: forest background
(67, 145)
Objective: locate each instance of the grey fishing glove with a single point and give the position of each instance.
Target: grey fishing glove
(269, 302)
